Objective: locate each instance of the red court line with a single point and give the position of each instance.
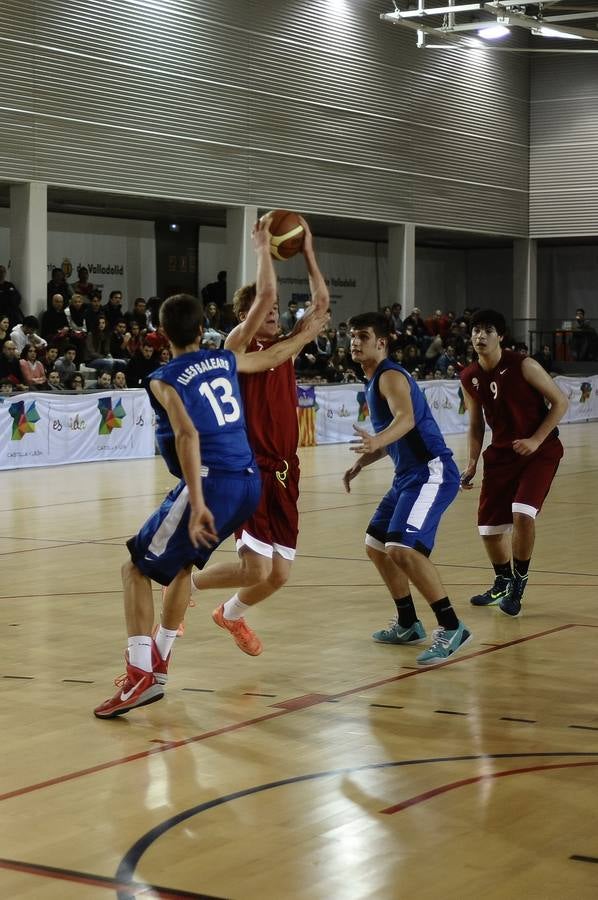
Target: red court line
(291, 705)
(131, 888)
(453, 785)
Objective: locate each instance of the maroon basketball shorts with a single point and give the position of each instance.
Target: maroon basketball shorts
(515, 484)
(274, 526)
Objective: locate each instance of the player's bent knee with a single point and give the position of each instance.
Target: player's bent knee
(401, 556)
(254, 569)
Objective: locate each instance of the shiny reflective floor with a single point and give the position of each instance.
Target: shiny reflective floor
(330, 766)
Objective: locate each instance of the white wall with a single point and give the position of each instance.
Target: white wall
(123, 248)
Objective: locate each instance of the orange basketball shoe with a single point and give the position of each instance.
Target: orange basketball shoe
(135, 688)
(245, 639)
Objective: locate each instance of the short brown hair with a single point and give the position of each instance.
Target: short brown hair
(243, 299)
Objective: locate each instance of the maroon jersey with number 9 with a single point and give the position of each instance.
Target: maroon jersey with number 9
(512, 407)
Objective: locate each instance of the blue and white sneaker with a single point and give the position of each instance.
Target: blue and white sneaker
(500, 590)
(394, 634)
(445, 644)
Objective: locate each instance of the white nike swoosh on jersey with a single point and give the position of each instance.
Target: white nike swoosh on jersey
(411, 530)
(126, 696)
(503, 371)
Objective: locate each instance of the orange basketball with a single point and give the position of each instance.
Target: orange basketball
(287, 233)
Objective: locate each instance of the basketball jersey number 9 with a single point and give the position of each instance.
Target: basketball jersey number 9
(223, 401)
(494, 389)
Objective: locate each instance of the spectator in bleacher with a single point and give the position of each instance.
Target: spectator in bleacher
(343, 341)
(288, 318)
(141, 365)
(93, 311)
(4, 330)
(26, 333)
(212, 329)
(138, 314)
(75, 382)
(10, 368)
(54, 383)
(97, 348)
(396, 317)
(544, 357)
(437, 375)
(6, 387)
(433, 352)
(55, 325)
(32, 370)
(451, 372)
(434, 323)
(393, 333)
(83, 285)
(215, 291)
(136, 338)
(58, 285)
(164, 355)
(119, 381)
(10, 300)
(448, 358)
(584, 340)
(113, 309)
(75, 313)
(417, 324)
(104, 382)
(65, 365)
(49, 358)
(119, 342)
(411, 358)
(157, 339)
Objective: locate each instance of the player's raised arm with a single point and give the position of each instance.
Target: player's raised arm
(201, 522)
(265, 290)
(475, 438)
(317, 285)
(280, 351)
(539, 379)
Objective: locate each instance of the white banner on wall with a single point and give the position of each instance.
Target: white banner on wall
(39, 429)
(339, 407)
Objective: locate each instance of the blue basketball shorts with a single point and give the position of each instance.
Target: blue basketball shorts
(162, 547)
(409, 514)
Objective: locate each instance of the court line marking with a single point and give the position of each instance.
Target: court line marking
(132, 857)
(280, 709)
(477, 779)
(589, 859)
(101, 881)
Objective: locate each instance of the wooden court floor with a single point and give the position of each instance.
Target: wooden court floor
(329, 768)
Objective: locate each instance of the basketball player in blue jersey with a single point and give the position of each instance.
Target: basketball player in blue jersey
(401, 533)
(195, 394)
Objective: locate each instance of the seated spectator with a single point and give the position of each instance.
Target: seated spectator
(584, 340)
(55, 325)
(54, 383)
(97, 348)
(33, 372)
(212, 330)
(438, 375)
(343, 341)
(10, 300)
(83, 285)
(434, 323)
(65, 365)
(93, 311)
(75, 382)
(448, 358)
(215, 292)
(49, 358)
(544, 357)
(434, 351)
(58, 285)
(393, 333)
(451, 372)
(26, 333)
(10, 368)
(75, 313)
(119, 340)
(6, 387)
(139, 315)
(158, 339)
(136, 338)
(104, 382)
(305, 361)
(288, 318)
(113, 309)
(164, 356)
(142, 364)
(417, 324)
(119, 381)
(4, 330)
(396, 317)
(411, 358)
(522, 348)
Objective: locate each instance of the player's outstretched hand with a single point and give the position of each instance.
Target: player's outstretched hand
(202, 528)
(261, 233)
(525, 446)
(308, 241)
(364, 442)
(350, 474)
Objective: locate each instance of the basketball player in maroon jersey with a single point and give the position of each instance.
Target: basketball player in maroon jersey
(511, 391)
(267, 542)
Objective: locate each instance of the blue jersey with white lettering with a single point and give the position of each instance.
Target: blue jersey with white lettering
(420, 445)
(207, 383)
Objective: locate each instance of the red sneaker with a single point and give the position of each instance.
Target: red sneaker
(246, 639)
(136, 688)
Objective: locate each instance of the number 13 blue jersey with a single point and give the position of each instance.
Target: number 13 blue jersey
(207, 383)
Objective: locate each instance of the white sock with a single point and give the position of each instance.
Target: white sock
(140, 651)
(164, 640)
(235, 608)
